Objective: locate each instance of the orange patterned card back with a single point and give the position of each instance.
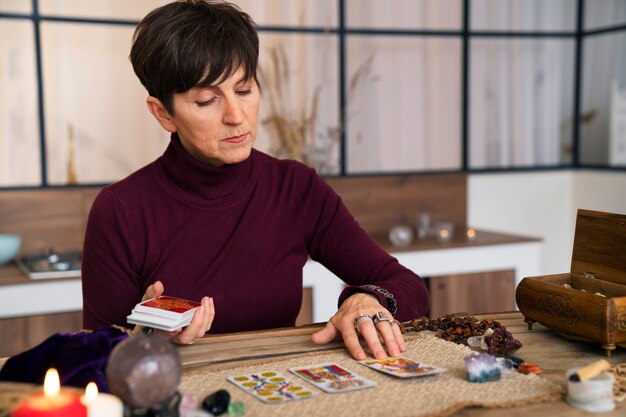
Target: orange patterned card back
(173, 304)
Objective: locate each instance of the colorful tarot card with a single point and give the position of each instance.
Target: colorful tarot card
(402, 367)
(332, 377)
(272, 387)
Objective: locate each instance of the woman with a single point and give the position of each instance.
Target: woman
(214, 219)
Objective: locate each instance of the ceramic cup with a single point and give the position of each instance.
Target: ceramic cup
(594, 395)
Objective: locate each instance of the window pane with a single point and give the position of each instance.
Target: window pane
(299, 113)
(102, 9)
(96, 116)
(405, 114)
(404, 14)
(15, 6)
(603, 13)
(555, 15)
(520, 103)
(603, 108)
(291, 12)
(19, 121)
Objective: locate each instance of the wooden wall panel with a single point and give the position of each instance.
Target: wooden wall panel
(46, 218)
(381, 202)
(57, 217)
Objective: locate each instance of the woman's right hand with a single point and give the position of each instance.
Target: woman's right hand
(200, 323)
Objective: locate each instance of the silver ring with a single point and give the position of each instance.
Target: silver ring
(358, 319)
(396, 322)
(380, 316)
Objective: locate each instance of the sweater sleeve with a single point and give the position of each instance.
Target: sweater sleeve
(338, 242)
(111, 287)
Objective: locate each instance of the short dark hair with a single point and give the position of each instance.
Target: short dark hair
(193, 43)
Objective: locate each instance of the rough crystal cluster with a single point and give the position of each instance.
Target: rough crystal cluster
(501, 342)
(482, 368)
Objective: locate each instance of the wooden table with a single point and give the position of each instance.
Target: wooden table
(552, 352)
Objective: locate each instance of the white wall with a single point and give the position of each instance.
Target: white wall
(603, 191)
(543, 204)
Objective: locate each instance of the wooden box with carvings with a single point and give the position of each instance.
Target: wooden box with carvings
(589, 302)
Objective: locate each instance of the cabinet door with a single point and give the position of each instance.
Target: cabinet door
(306, 310)
(22, 333)
(485, 292)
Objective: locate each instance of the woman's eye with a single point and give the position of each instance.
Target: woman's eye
(245, 92)
(205, 103)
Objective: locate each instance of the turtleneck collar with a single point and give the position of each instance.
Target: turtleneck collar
(198, 182)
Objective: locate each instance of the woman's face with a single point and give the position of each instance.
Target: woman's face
(217, 125)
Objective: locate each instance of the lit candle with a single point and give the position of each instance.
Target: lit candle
(52, 402)
(471, 234)
(101, 405)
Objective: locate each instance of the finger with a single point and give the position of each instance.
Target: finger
(208, 317)
(384, 328)
(189, 333)
(351, 339)
(368, 330)
(328, 333)
(397, 333)
(153, 291)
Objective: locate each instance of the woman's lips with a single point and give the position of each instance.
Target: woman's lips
(236, 139)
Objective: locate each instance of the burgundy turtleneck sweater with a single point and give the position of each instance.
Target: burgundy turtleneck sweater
(240, 234)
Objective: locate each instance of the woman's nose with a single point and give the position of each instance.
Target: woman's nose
(233, 112)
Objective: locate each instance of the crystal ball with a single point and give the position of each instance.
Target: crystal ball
(143, 370)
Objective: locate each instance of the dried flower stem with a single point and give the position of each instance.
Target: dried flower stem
(294, 128)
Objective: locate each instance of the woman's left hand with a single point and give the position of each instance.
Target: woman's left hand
(344, 321)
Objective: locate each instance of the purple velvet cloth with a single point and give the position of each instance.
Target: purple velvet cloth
(79, 358)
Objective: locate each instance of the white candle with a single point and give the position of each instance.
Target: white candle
(100, 404)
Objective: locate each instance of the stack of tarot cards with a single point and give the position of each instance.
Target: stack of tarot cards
(164, 313)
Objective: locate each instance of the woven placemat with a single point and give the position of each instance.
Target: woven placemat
(432, 396)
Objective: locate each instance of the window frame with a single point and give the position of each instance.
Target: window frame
(465, 34)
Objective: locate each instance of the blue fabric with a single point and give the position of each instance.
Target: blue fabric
(79, 358)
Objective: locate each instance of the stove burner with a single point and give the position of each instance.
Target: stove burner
(51, 264)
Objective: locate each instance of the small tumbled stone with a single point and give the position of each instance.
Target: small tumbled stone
(188, 403)
(217, 403)
(236, 409)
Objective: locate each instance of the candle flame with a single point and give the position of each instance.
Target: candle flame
(91, 392)
(471, 233)
(51, 383)
(444, 233)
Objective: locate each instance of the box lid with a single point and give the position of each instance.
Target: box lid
(600, 246)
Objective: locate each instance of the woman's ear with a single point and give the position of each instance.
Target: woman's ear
(160, 113)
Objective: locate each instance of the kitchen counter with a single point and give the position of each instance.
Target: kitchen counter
(21, 296)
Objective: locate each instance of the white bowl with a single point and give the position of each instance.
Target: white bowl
(593, 395)
(9, 247)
